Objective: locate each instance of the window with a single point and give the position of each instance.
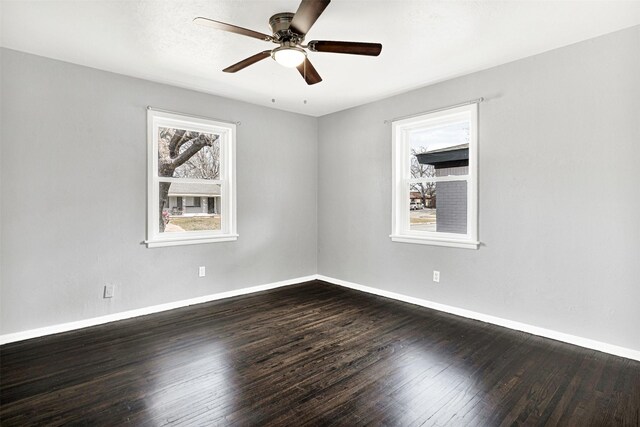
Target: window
(191, 182)
(434, 178)
(193, 202)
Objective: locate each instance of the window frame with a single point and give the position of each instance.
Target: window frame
(227, 179)
(401, 175)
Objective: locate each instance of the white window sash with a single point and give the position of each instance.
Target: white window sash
(191, 180)
(226, 132)
(401, 173)
(435, 179)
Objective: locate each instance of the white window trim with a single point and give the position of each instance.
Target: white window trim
(401, 177)
(227, 181)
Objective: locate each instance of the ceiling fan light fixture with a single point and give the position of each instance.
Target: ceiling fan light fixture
(289, 56)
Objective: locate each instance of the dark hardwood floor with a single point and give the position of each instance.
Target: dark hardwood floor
(311, 354)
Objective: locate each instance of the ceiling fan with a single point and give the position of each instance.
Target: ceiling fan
(289, 31)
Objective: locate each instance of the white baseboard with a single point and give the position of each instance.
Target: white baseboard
(64, 327)
(535, 330)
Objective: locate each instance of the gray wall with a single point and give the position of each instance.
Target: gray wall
(74, 196)
(559, 199)
(451, 204)
(559, 151)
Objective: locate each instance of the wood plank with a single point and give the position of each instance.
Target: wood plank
(311, 354)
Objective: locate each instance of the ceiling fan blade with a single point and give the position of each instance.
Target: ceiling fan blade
(307, 14)
(309, 73)
(248, 61)
(352, 48)
(231, 28)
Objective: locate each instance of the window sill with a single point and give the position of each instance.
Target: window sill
(435, 242)
(159, 243)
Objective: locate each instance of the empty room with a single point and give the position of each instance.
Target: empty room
(319, 213)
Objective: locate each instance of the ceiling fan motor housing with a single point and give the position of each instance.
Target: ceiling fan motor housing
(279, 24)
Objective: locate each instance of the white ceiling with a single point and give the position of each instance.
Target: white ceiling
(423, 42)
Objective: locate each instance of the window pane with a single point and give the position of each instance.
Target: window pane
(440, 150)
(187, 154)
(189, 207)
(439, 207)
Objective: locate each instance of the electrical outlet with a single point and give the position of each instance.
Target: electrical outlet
(108, 291)
(436, 276)
(202, 272)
